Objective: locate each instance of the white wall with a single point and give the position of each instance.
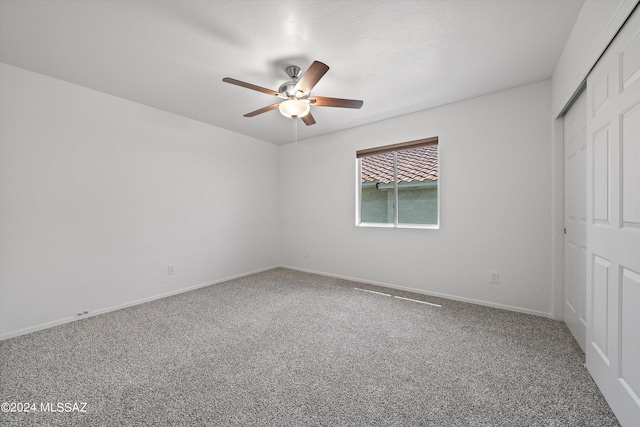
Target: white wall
(495, 163)
(99, 195)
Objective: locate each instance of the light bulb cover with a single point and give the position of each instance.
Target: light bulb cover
(294, 108)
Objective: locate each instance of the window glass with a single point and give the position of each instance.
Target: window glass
(418, 185)
(377, 194)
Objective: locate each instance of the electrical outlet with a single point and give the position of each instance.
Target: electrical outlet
(171, 269)
(494, 277)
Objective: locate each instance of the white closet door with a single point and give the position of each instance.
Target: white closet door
(575, 218)
(613, 223)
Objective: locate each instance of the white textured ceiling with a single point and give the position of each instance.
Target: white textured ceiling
(398, 56)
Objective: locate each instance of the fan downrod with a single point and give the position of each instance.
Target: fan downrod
(288, 88)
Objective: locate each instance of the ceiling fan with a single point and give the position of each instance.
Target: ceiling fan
(297, 94)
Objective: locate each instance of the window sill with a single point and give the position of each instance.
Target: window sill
(383, 225)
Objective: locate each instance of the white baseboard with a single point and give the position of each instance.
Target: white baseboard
(422, 292)
(62, 321)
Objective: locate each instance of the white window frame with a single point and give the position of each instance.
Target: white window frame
(394, 148)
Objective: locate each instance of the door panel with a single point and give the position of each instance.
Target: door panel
(630, 344)
(613, 223)
(600, 315)
(630, 171)
(601, 175)
(575, 162)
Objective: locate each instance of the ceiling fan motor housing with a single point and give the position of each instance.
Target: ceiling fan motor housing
(288, 88)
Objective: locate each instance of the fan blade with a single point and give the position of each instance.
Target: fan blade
(312, 76)
(263, 110)
(308, 119)
(250, 86)
(323, 101)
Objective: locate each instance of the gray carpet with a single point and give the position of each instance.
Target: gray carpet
(285, 348)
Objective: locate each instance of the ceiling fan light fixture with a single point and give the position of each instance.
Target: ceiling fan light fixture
(293, 108)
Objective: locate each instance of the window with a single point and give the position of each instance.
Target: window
(398, 185)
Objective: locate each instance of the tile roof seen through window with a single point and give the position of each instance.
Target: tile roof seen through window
(416, 164)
